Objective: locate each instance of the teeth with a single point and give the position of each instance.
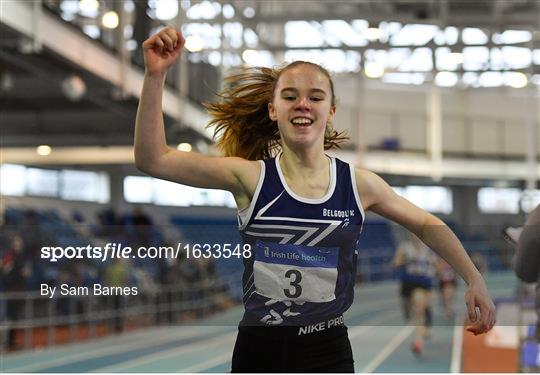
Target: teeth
(301, 121)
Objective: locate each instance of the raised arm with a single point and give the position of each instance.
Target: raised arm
(377, 196)
(154, 157)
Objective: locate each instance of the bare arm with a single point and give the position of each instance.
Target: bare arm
(154, 157)
(378, 196)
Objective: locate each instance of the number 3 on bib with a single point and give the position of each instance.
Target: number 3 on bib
(295, 284)
(294, 272)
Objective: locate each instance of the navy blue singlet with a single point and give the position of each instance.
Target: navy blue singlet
(420, 264)
(303, 264)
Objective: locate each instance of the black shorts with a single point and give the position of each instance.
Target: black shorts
(281, 349)
(407, 288)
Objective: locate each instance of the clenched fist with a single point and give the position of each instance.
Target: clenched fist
(161, 50)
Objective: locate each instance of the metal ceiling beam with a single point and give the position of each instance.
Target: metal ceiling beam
(17, 121)
(96, 138)
(525, 20)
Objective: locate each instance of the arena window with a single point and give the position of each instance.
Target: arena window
(84, 186)
(138, 189)
(529, 200)
(12, 181)
(436, 199)
(41, 182)
(499, 200)
(18, 180)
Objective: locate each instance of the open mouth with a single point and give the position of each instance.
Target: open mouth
(302, 121)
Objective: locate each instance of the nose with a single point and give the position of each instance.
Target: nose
(303, 104)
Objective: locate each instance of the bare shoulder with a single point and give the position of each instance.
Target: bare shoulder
(248, 173)
(371, 187)
(377, 196)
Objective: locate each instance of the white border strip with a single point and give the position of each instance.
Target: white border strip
(457, 349)
(355, 191)
(245, 216)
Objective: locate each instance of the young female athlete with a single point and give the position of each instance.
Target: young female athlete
(447, 286)
(301, 210)
(417, 265)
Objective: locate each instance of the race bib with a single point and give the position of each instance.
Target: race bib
(295, 273)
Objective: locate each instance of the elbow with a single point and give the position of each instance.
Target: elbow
(151, 164)
(142, 163)
(141, 166)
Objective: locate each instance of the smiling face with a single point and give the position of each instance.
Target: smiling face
(302, 106)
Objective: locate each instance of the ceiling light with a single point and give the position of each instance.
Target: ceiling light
(250, 56)
(194, 43)
(374, 69)
(166, 9)
(7, 81)
(43, 150)
(446, 79)
(372, 33)
(249, 12)
(457, 57)
(516, 80)
(228, 11)
(186, 147)
(110, 20)
(73, 88)
(88, 6)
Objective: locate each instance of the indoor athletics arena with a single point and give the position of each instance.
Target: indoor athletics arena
(105, 268)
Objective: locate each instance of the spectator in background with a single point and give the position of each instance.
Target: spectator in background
(143, 228)
(140, 217)
(527, 259)
(77, 217)
(15, 273)
(34, 238)
(116, 274)
(447, 286)
(417, 264)
(107, 224)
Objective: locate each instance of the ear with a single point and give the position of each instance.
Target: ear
(331, 114)
(272, 112)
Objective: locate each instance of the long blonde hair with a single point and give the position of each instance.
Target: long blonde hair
(242, 123)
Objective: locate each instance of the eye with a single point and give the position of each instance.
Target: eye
(289, 98)
(317, 99)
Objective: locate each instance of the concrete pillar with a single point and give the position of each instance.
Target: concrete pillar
(434, 132)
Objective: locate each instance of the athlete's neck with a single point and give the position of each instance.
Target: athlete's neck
(304, 165)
